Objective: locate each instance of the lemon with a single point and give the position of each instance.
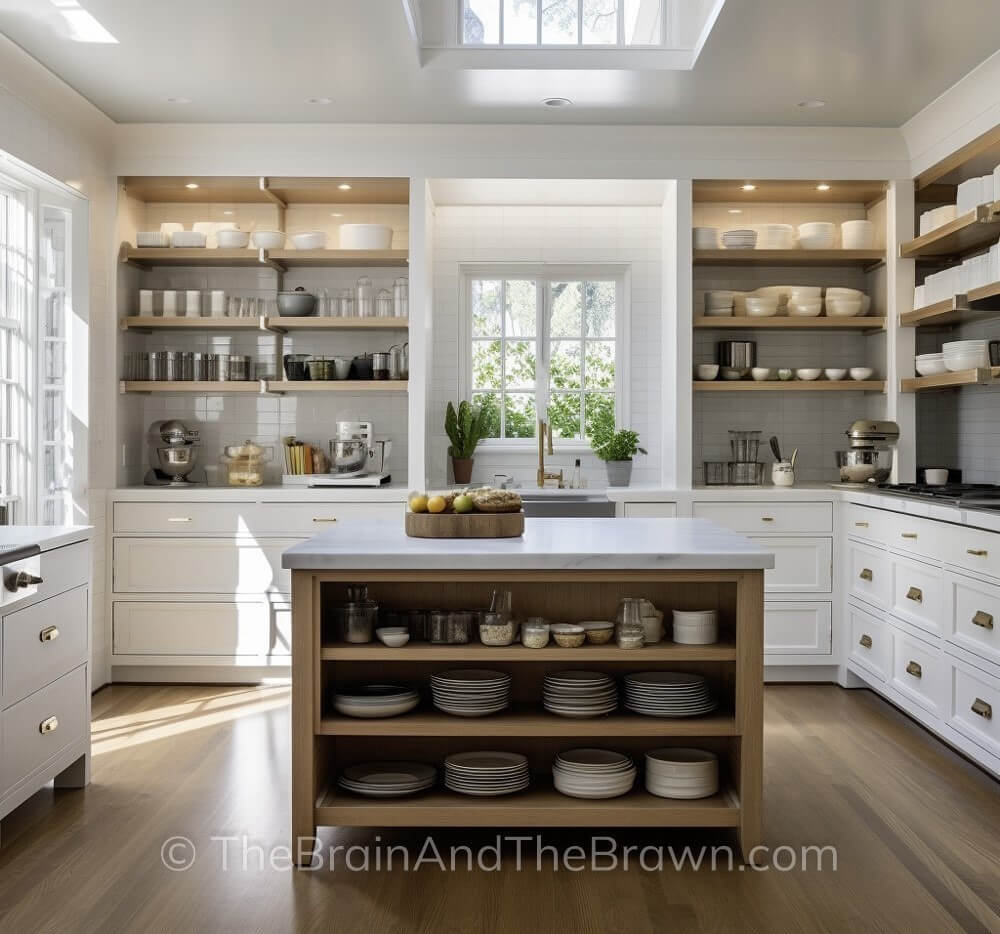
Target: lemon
(418, 503)
(437, 504)
(463, 503)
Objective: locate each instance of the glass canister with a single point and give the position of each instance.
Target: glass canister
(345, 304)
(401, 297)
(629, 631)
(383, 304)
(366, 298)
(245, 463)
(437, 627)
(359, 621)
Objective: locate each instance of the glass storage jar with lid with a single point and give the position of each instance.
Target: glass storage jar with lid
(383, 304)
(245, 463)
(366, 298)
(629, 631)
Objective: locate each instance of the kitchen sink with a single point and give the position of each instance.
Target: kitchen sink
(561, 504)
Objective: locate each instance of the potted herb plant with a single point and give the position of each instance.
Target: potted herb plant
(465, 429)
(616, 449)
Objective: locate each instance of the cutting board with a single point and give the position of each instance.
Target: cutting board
(465, 525)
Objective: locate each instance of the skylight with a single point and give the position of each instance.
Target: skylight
(83, 27)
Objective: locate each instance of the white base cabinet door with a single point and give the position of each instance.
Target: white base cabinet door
(798, 628)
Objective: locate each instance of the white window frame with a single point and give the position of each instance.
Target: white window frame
(545, 274)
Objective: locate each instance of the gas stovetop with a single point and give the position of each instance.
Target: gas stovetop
(971, 495)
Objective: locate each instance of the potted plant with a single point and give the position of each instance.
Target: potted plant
(616, 449)
(465, 429)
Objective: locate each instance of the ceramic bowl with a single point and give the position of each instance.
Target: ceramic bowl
(761, 306)
(843, 307)
(268, 239)
(861, 373)
(818, 235)
(232, 239)
(936, 476)
(309, 240)
(804, 308)
(707, 371)
(393, 637)
(734, 373)
(931, 365)
(762, 374)
(808, 374)
(835, 374)
(784, 374)
(857, 235)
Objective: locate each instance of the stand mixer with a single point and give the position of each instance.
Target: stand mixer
(356, 458)
(871, 451)
(173, 455)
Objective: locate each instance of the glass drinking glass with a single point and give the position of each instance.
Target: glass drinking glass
(366, 297)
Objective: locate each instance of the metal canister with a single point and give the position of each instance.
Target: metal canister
(187, 365)
(380, 366)
(172, 366)
(240, 367)
(221, 367)
(396, 362)
(198, 366)
(157, 365)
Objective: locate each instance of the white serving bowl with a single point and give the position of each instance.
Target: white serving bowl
(957, 363)
(268, 239)
(861, 373)
(739, 239)
(762, 374)
(936, 476)
(805, 293)
(365, 236)
(843, 307)
(857, 235)
(309, 240)
(835, 374)
(707, 371)
(805, 309)
(393, 637)
(188, 239)
(705, 238)
(808, 374)
(837, 291)
(776, 237)
(817, 235)
(930, 367)
(232, 239)
(761, 306)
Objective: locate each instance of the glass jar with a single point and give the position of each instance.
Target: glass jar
(383, 304)
(359, 621)
(401, 297)
(245, 464)
(437, 627)
(496, 629)
(366, 298)
(418, 626)
(459, 627)
(345, 304)
(535, 635)
(629, 631)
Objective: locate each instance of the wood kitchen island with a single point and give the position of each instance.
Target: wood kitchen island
(564, 570)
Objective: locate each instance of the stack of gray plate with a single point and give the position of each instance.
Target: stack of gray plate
(388, 779)
(579, 693)
(668, 694)
(486, 774)
(682, 773)
(593, 773)
(376, 700)
(471, 692)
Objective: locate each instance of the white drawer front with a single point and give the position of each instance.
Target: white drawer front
(255, 628)
(975, 706)
(869, 572)
(801, 565)
(201, 565)
(972, 550)
(871, 642)
(919, 672)
(41, 726)
(975, 617)
(650, 510)
(920, 537)
(918, 595)
(311, 518)
(768, 518)
(43, 642)
(873, 525)
(798, 628)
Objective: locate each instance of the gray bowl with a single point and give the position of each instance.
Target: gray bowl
(296, 304)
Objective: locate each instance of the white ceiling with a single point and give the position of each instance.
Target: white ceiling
(877, 62)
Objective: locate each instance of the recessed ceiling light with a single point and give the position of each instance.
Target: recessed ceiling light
(319, 100)
(227, 213)
(823, 186)
(557, 102)
(191, 185)
(344, 187)
(812, 103)
(735, 211)
(336, 214)
(748, 187)
(178, 100)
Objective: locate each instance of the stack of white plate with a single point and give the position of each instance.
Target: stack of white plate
(696, 627)
(739, 239)
(471, 692)
(486, 774)
(777, 237)
(965, 355)
(593, 773)
(580, 693)
(388, 779)
(667, 694)
(376, 700)
(930, 364)
(705, 238)
(682, 773)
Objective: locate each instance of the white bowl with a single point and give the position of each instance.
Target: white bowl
(843, 307)
(838, 291)
(365, 237)
(805, 293)
(835, 374)
(857, 235)
(776, 237)
(268, 239)
(739, 239)
(188, 238)
(698, 617)
(393, 638)
(762, 374)
(957, 363)
(232, 239)
(861, 373)
(759, 306)
(931, 367)
(718, 299)
(309, 240)
(817, 235)
(805, 309)
(955, 346)
(707, 371)
(808, 374)
(936, 476)
(705, 238)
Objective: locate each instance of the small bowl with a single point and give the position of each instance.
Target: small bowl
(835, 374)
(232, 239)
(761, 306)
(808, 374)
(707, 371)
(268, 239)
(843, 307)
(393, 636)
(805, 308)
(309, 240)
(861, 373)
(762, 374)
(568, 635)
(784, 374)
(296, 304)
(817, 235)
(598, 631)
(936, 476)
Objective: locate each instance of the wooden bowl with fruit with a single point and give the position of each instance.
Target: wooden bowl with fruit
(474, 513)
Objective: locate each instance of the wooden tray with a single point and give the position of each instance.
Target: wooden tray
(465, 525)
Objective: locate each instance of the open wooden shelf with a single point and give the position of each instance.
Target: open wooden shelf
(983, 376)
(484, 654)
(312, 258)
(538, 806)
(204, 386)
(980, 304)
(791, 385)
(340, 385)
(863, 258)
(255, 189)
(262, 386)
(787, 191)
(790, 323)
(313, 323)
(146, 257)
(279, 325)
(972, 232)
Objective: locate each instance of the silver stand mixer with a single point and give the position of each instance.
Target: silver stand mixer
(871, 452)
(173, 455)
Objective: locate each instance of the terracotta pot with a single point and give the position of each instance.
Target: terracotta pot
(461, 467)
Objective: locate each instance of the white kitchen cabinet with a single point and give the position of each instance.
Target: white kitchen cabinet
(798, 628)
(974, 614)
(650, 510)
(768, 517)
(801, 565)
(974, 705)
(870, 641)
(920, 672)
(869, 573)
(918, 594)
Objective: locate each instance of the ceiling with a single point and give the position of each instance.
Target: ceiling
(876, 63)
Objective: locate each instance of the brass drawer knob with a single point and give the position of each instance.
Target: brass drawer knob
(322, 519)
(912, 668)
(179, 519)
(977, 552)
(908, 534)
(982, 709)
(915, 594)
(49, 725)
(767, 518)
(861, 525)
(866, 641)
(49, 634)
(866, 574)
(983, 619)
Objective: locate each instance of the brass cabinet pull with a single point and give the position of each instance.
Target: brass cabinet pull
(865, 640)
(912, 668)
(915, 594)
(49, 634)
(767, 518)
(321, 519)
(908, 534)
(983, 619)
(861, 525)
(977, 552)
(982, 709)
(49, 726)
(180, 519)
(866, 574)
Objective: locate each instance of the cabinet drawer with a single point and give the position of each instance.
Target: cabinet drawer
(869, 572)
(920, 537)
(801, 565)
(41, 726)
(253, 628)
(975, 706)
(201, 565)
(871, 642)
(650, 510)
(975, 616)
(918, 595)
(919, 672)
(311, 518)
(771, 518)
(973, 550)
(43, 642)
(798, 628)
(873, 525)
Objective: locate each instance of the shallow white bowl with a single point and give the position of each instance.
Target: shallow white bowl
(817, 235)
(838, 291)
(762, 374)
(759, 306)
(707, 371)
(843, 307)
(232, 239)
(188, 238)
(268, 239)
(309, 240)
(392, 639)
(805, 293)
(705, 238)
(835, 373)
(959, 362)
(718, 299)
(808, 374)
(365, 237)
(805, 309)
(931, 367)
(861, 373)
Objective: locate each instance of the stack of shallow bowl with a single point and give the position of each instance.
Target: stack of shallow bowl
(387, 779)
(373, 701)
(739, 239)
(846, 303)
(805, 301)
(593, 773)
(682, 773)
(761, 306)
(776, 237)
(579, 694)
(818, 235)
(705, 238)
(719, 304)
(471, 692)
(696, 627)
(486, 774)
(930, 364)
(965, 355)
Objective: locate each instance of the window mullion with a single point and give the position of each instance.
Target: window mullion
(538, 22)
(579, 22)
(503, 353)
(543, 301)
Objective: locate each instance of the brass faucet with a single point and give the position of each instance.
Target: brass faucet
(545, 435)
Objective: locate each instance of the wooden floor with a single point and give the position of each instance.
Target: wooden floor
(917, 831)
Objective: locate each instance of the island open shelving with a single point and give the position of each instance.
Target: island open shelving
(265, 386)
(148, 257)
(278, 325)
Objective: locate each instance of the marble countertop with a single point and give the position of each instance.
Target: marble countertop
(15, 538)
(547, 544)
